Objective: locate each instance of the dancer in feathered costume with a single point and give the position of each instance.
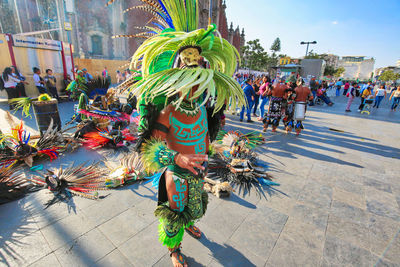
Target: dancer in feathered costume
(81, 180)
(174, 124)
(19, 147)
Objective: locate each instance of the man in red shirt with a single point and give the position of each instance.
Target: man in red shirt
(278, 93)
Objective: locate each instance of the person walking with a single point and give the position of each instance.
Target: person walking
(395, 97)
(380, 93)
(21, 85)
(256, 87)
(346, 88)
(250, 96)
(51, 83)
(39, 82)
(339, 85)
(263, 97)
(350, 94)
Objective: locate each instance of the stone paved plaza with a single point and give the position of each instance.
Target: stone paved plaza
(338, 205)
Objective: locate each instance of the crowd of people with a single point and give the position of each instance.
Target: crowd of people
(282, 95)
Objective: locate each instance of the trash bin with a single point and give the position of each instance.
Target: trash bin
(45, 111)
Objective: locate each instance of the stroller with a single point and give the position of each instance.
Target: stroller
(367, 105)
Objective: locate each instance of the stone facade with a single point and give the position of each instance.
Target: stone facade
(93, 24)
(357, 67)
(331, 60)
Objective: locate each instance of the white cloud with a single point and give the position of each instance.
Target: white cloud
(335, 22)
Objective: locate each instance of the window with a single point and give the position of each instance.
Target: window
(97, 45)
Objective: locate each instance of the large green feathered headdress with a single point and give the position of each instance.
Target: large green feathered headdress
(174, 28)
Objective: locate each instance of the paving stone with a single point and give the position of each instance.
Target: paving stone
(385, 263)
(85, 250)
(351, 199)
(24, 251)
(382, 209)
(65, 230)
(340, 253)
(260, 230)
(115, 258)
(378, 185)
(389, 199)
(123, 226)
(280, 203)
(392, 249)
(233, 254)
(315, 216)
(143, 249)
(351, 187)
(316, 194)
(49, 260)
(349, 213)
(300, 244)
(351, 232)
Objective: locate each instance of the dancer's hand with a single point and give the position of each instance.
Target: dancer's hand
(190, 161)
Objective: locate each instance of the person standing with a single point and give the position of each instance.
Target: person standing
(39, 82)
(339, 85)
(314, 87)
(379, 95)
(51, 83)
(278, 94)
(350, 94)
(263, 97)
(250, 96)
(256, 87)
(302, 95)
(346, 88)
(21, 85)
(119, 77)
(395, 97)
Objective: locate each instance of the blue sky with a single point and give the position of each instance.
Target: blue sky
(341, 27)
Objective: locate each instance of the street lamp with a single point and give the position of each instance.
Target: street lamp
(308, 43)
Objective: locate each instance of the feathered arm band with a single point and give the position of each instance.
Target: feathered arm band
(156, 155)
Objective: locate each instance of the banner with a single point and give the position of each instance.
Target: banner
(32, 42)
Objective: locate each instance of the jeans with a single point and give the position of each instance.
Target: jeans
(325, 99)
(264, 101)
(395, 102)
(248, 107)
(314, 93)
(256, 101)
(338, 90)
(42, 90)
(362, 104)
(378, 100)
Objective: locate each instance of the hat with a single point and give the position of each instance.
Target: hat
(84, 69)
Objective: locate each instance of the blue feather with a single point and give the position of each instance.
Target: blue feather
(161, 27)
(168, 19)
(155, 179)
(266, 182)
(37, 168)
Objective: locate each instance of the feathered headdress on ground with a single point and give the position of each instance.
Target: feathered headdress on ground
(13, 185)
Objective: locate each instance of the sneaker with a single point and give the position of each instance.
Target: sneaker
(250, 121)
(241, 120)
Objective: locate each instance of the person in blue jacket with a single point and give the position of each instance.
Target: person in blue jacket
(250, 97)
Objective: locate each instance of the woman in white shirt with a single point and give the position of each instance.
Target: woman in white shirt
(379, 95)
(10, 84)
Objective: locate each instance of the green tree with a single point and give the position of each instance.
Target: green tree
(329, 71)
(254, 56)
(339, 71)
(389, 75)
(276, 45)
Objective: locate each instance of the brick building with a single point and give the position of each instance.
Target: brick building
(93, 24)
